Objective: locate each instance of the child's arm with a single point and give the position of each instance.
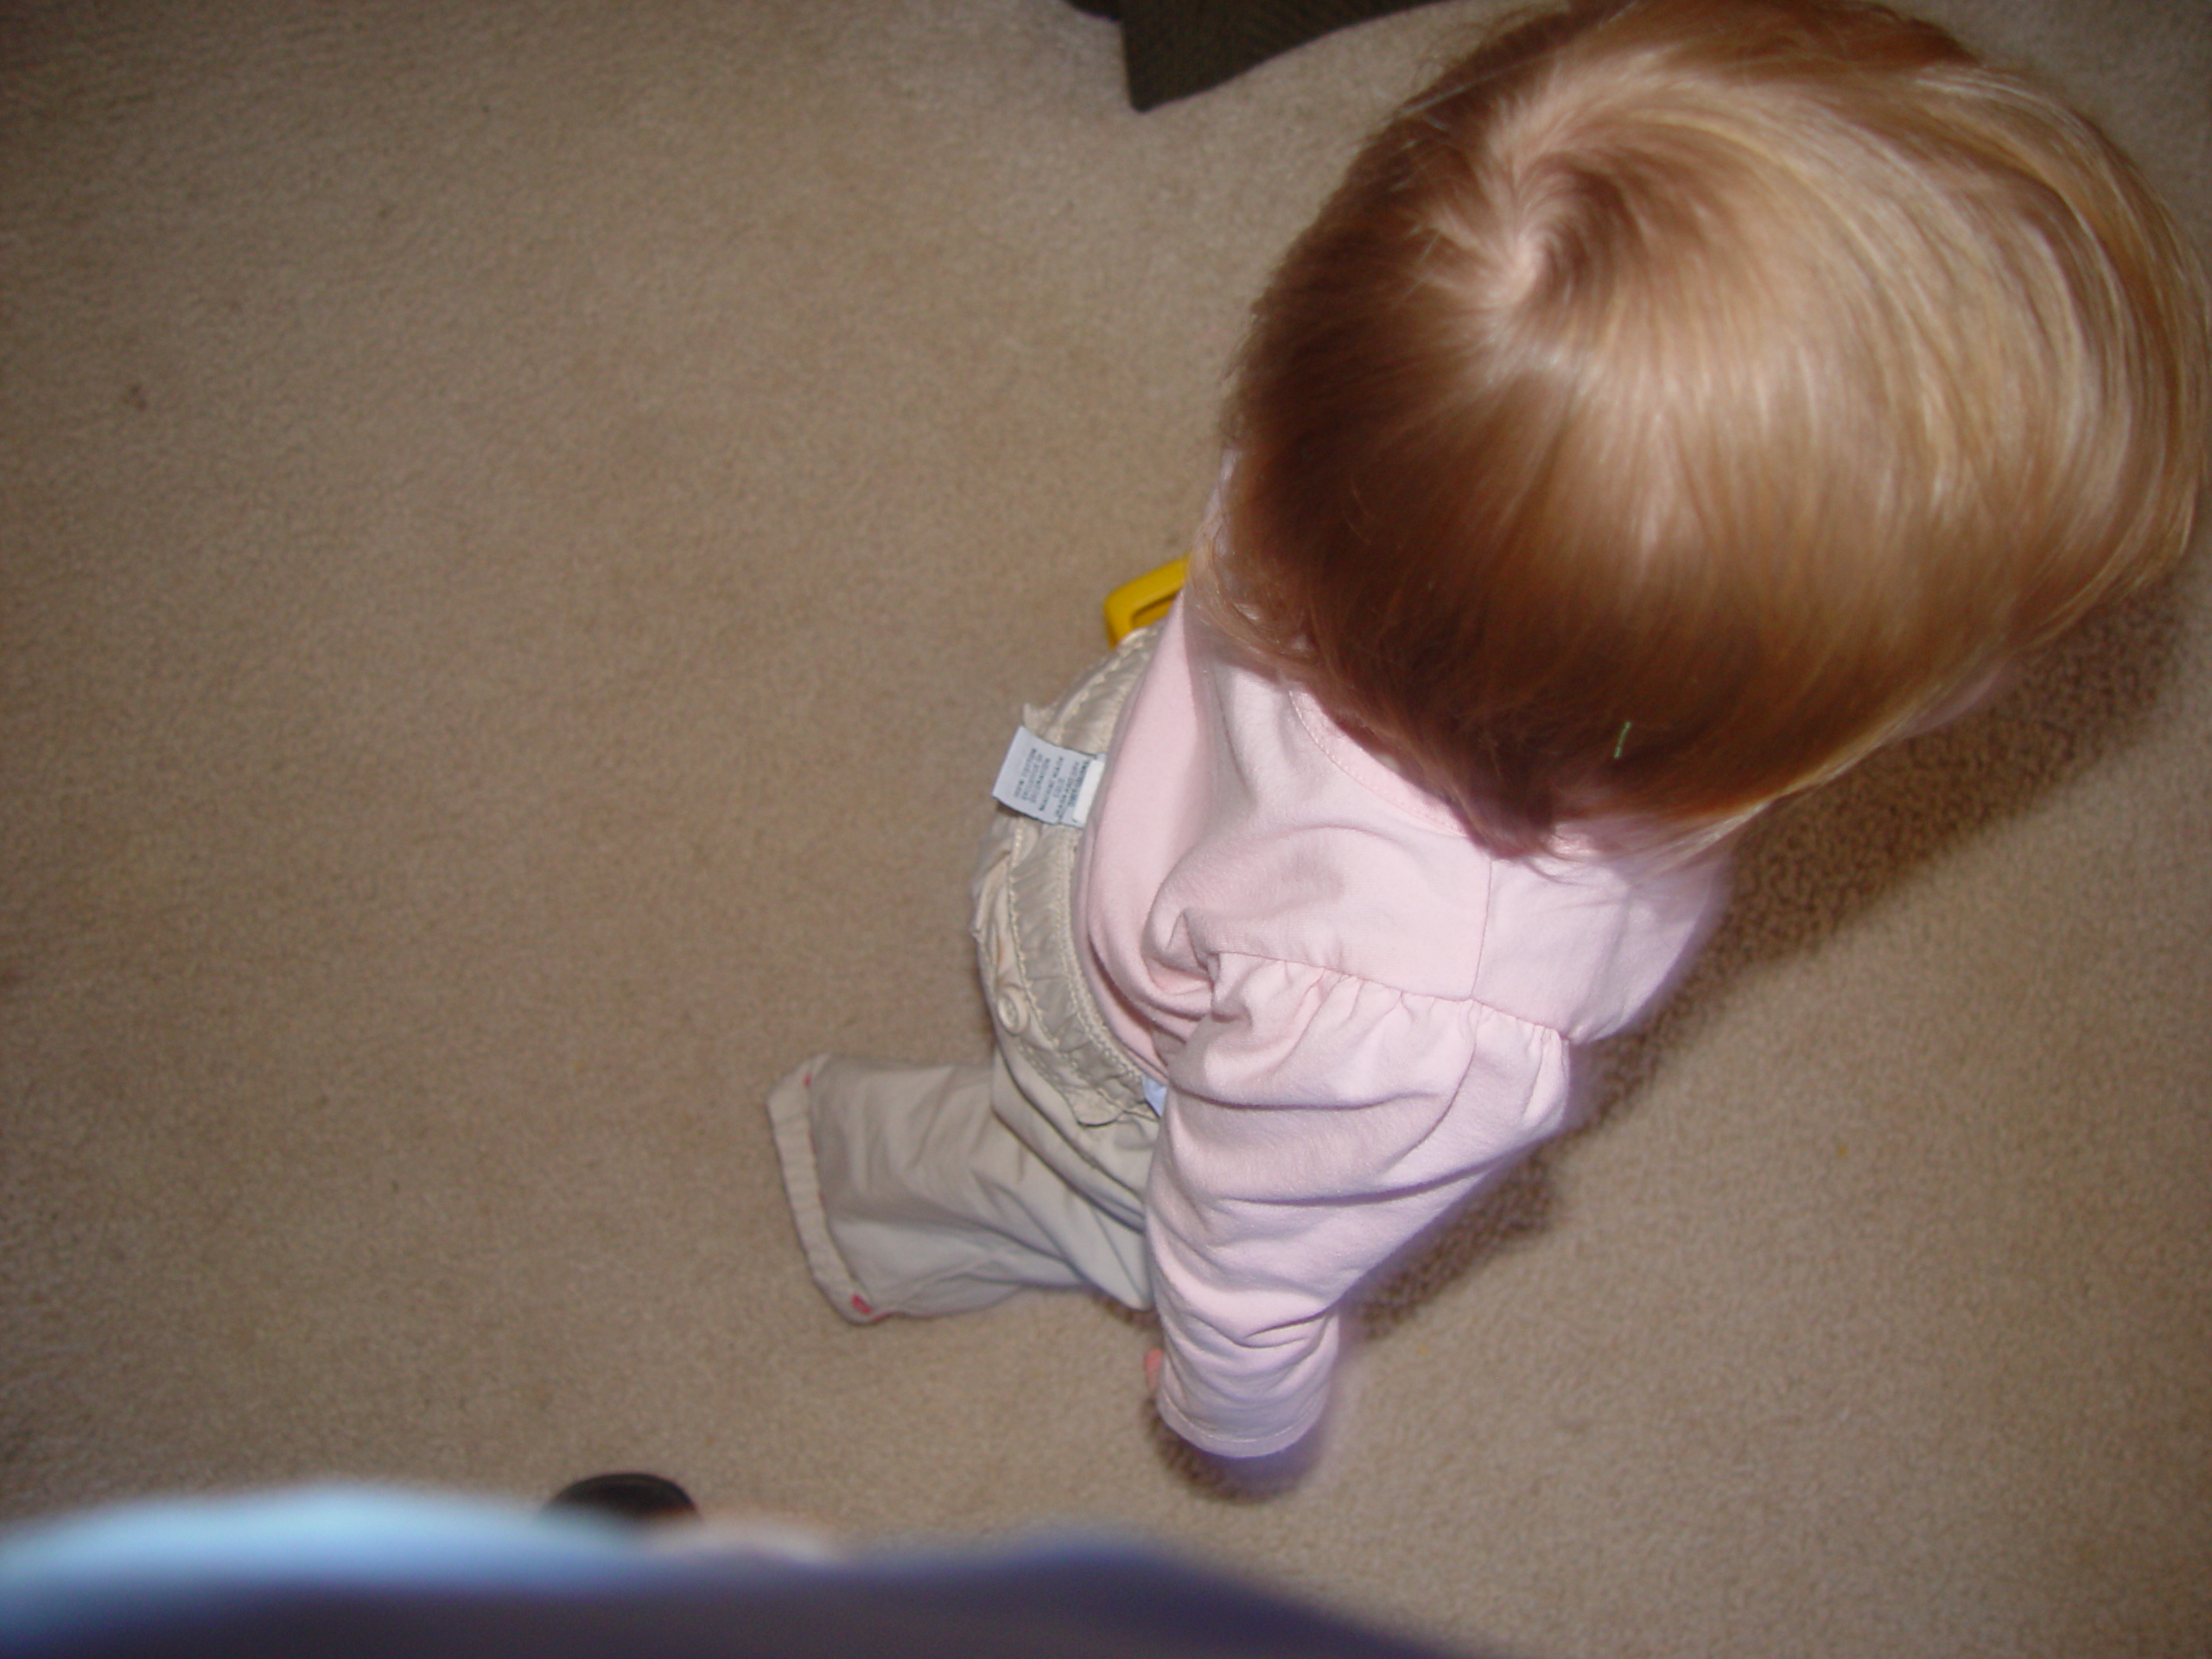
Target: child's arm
(1263, 1217)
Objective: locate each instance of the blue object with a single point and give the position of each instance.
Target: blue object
(347, 1573)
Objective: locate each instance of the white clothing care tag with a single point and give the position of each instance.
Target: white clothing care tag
(1044, 781)
(1155, 1094)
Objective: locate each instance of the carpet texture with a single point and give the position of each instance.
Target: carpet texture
(524, 531)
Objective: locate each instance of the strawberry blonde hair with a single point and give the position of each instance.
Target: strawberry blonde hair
(1681, 398)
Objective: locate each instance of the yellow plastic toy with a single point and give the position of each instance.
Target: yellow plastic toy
(1139, 604)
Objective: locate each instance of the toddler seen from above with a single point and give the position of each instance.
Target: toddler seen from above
(1678, 401)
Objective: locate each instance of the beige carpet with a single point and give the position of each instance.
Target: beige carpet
(523, 531)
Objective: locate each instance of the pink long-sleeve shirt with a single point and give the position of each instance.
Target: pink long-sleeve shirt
(1357, 1012)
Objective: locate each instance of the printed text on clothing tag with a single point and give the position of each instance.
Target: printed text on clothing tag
(1044, 781)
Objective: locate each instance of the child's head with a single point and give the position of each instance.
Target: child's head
(1680, 398)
